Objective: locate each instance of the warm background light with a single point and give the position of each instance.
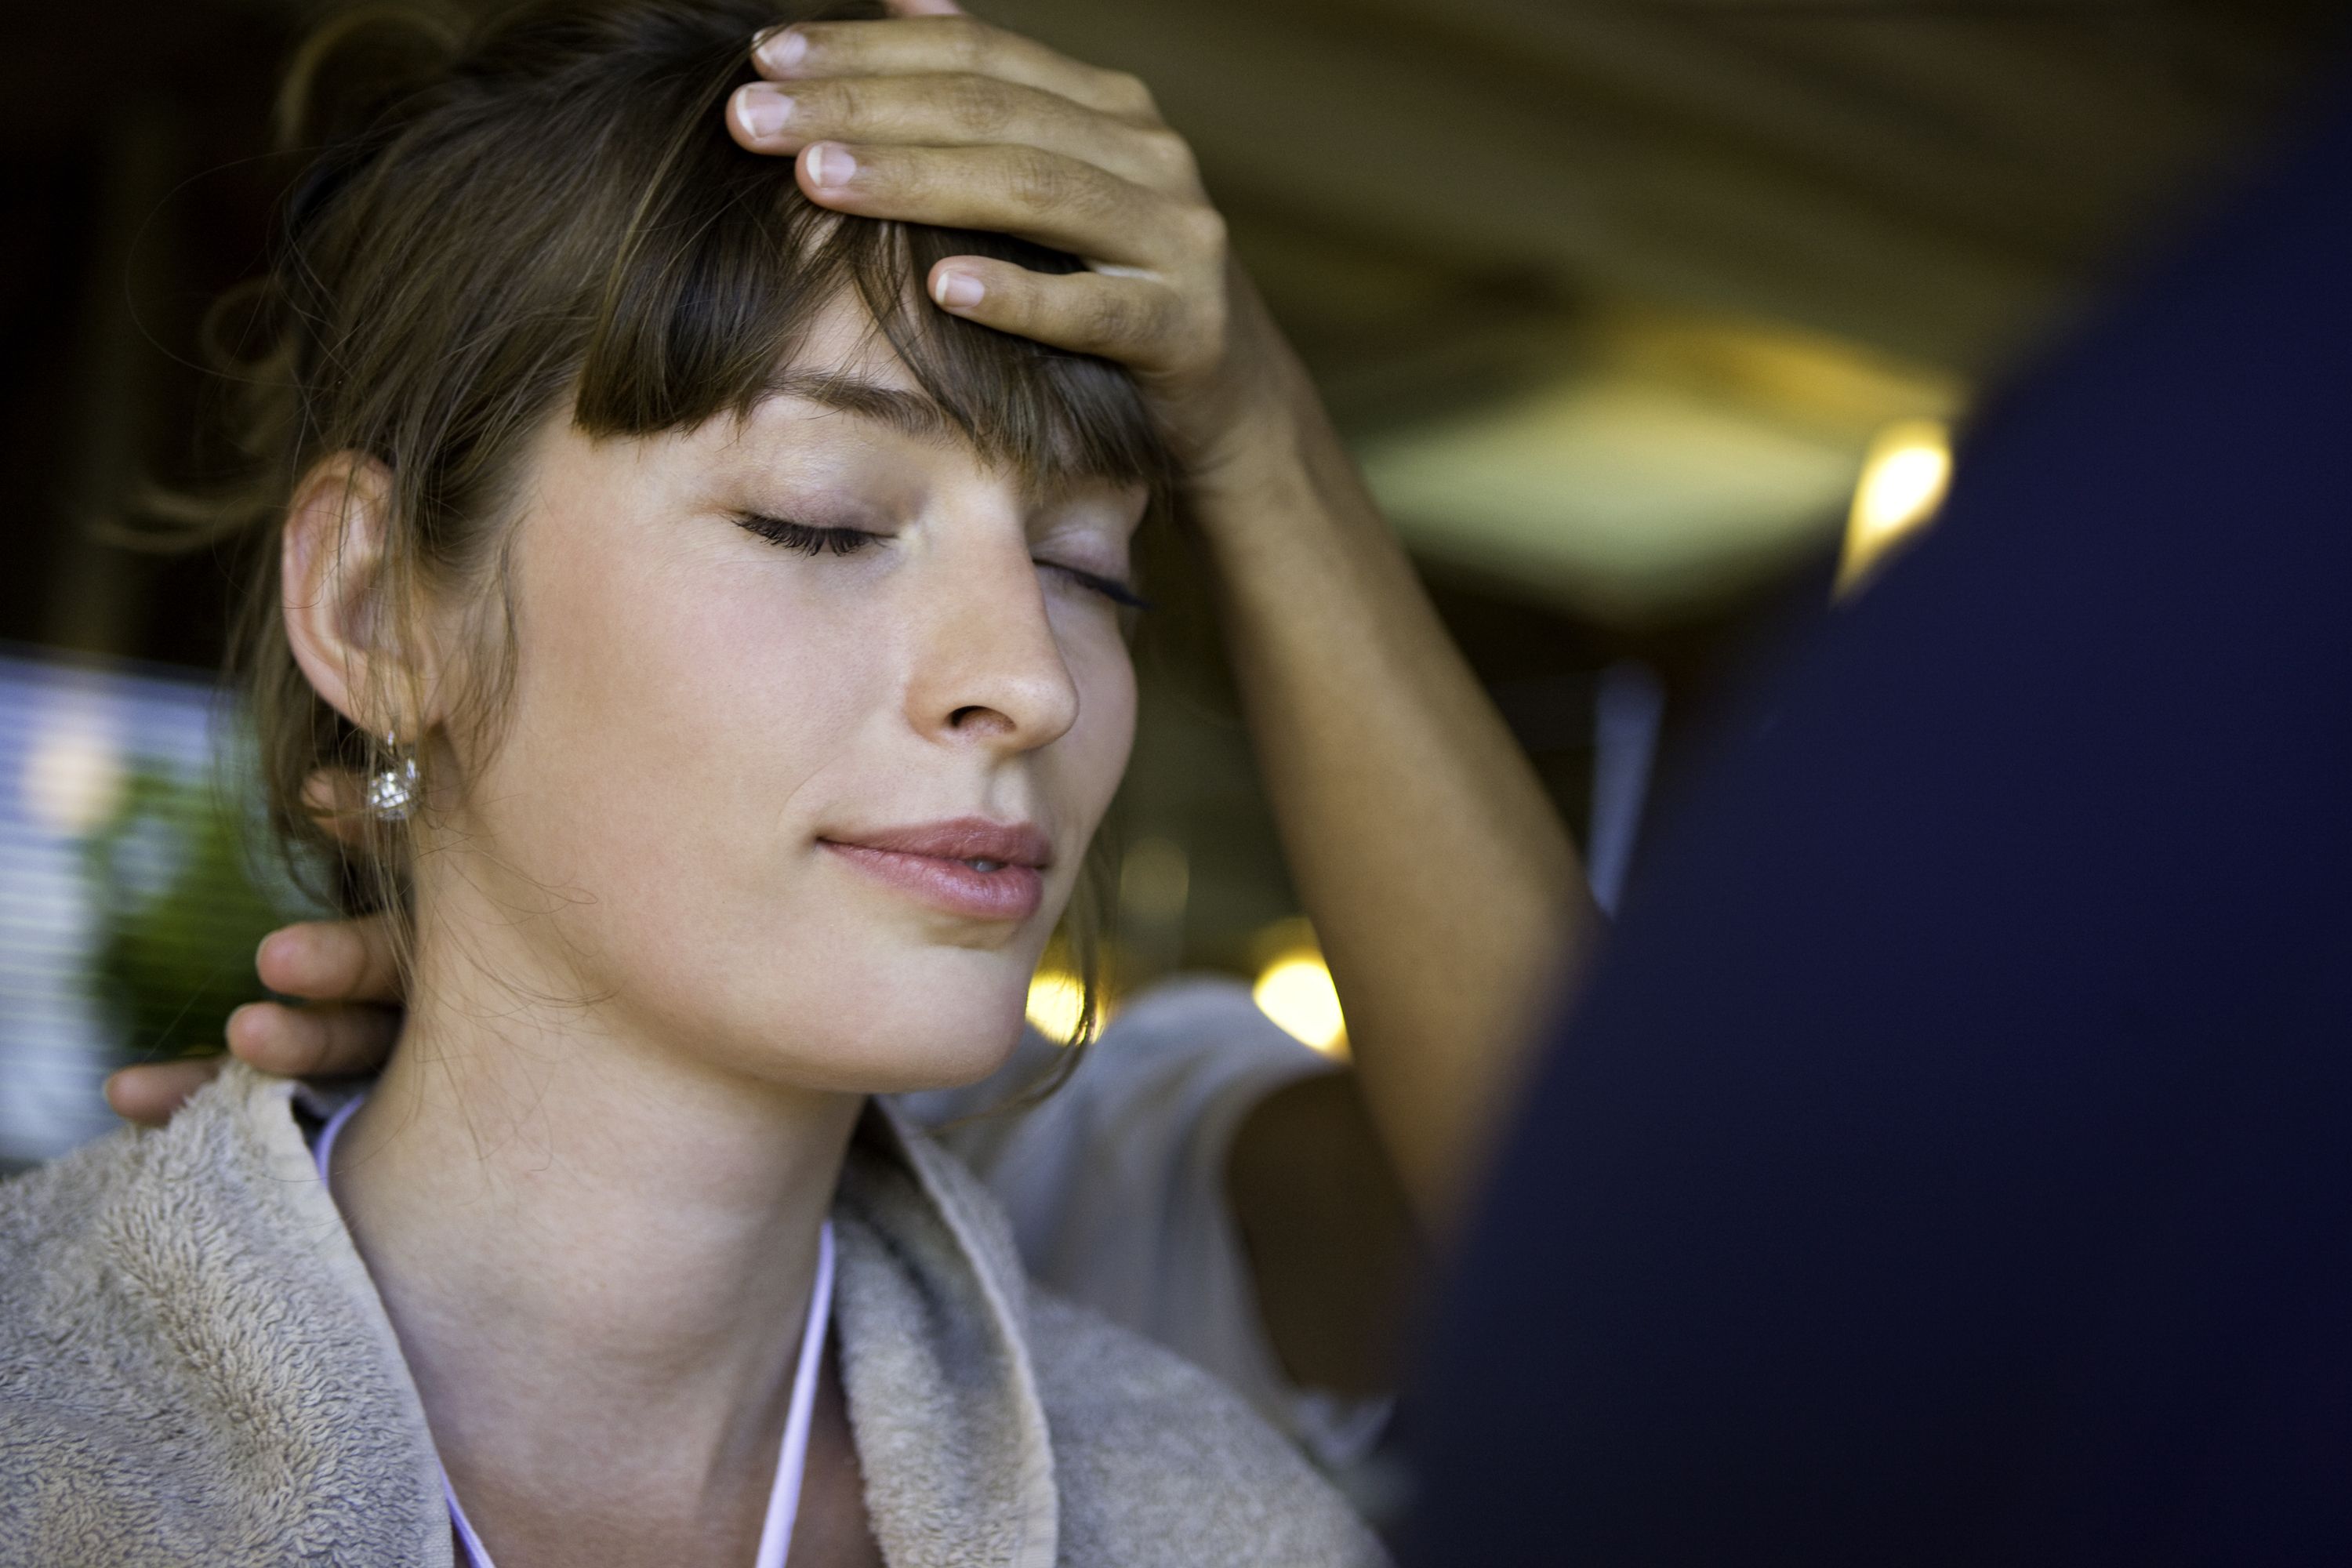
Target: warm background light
(1055, 1001)
(1669, 458)
(1903, 482)
(1295, 990)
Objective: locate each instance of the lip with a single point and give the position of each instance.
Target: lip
(929, 862)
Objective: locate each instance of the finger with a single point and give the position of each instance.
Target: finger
(925, 8)
(1135, 320)
(1062, 202)
(333, 1041)
(957, 111)
(331, 961)
(930, 46)
(148, 1094)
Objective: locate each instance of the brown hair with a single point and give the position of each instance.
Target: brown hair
(503, 220)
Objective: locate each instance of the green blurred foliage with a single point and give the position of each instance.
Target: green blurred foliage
(182, 900)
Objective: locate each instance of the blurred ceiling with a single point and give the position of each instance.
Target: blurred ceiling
(1612, 295)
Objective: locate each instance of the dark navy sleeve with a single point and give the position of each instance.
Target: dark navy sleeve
(1953, 1160)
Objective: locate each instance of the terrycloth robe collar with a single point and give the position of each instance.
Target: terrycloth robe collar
(274, 1418)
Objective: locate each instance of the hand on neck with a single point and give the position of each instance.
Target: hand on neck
(597, 1251)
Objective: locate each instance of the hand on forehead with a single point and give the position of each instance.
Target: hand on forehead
(932, 117)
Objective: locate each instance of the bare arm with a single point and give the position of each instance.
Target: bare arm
(1446, 894)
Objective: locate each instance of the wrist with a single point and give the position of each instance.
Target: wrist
(1254, 418)
(1274, 446)
(1285, 484)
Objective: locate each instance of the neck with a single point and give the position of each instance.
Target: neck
(596, 1254)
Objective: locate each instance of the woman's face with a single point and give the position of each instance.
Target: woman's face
(812, 718)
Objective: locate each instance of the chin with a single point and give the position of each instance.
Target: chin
(920, 1054)
(900, 1029)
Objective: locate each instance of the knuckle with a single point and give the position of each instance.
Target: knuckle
(975, 105)
(1108, 319)
(834, 43)
(1206, 231)
(971, 45)
(1174, 156)
(1039, 179)
(834, 104)
(1129, 96)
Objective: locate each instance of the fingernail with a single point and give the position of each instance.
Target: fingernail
(782, 50)
(763, 110)
(958, 290)
(829, 164)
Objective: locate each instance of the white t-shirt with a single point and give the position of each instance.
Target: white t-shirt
(1116, 1186)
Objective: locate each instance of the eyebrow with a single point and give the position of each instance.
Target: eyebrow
(908, 413)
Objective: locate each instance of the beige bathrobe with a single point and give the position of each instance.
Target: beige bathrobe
(195, 1368)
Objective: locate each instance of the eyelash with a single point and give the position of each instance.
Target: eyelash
(806, 540)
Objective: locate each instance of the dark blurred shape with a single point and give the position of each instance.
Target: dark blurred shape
(1954, 1161)
(133, 189)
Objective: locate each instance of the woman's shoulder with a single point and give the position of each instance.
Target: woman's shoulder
(66, 1365)
(86, 1385)
(1156, 1461)
(188, 1350)
(54, 1229)
(86, 1220)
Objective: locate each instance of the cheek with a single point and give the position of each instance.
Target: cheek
(666, 716)
(1090, 760)
(680, 722)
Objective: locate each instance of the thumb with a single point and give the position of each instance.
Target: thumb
(925, 8)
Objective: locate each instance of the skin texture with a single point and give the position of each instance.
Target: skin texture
(649, 994)
(1442, 885)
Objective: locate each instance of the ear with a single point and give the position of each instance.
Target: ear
(330, 567)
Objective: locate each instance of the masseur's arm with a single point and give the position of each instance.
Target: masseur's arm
(1440, 880)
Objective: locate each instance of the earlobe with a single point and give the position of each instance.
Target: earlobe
(331, 562)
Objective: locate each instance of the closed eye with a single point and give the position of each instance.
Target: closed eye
(1110, 589)
(806, 538)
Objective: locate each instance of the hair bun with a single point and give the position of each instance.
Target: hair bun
(350, 78)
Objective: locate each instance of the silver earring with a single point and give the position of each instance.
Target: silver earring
(392, 787)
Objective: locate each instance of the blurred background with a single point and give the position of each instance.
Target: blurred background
(1649, 324)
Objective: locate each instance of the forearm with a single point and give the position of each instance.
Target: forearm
(1446, 894)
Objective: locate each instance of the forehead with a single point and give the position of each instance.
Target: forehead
(923, 387)
(843, 366)
(843, 397)
(844, 377)
(841, 343)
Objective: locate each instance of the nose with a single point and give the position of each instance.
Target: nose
(988, 667)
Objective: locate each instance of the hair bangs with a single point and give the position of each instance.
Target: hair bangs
(725, 264)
